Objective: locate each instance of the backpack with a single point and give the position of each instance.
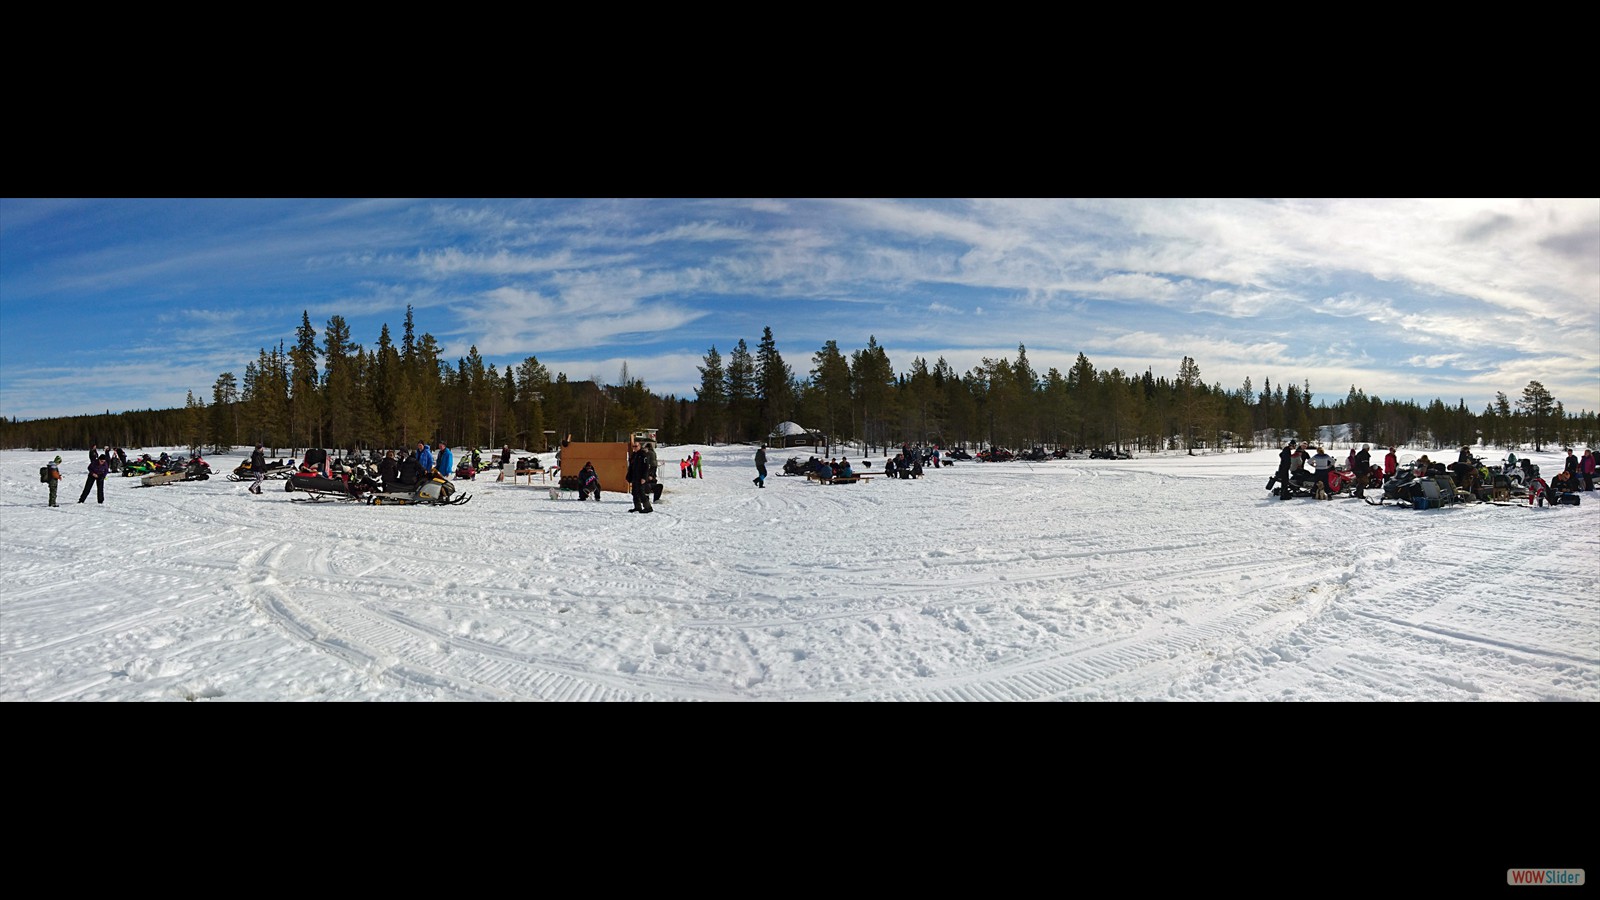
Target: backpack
(44, 474)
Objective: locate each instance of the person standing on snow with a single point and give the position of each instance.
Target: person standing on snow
(96, 479)
(444, 461)
(1281, 477)
(1297, 467)
(258, 466)
(505, 462)
(641, 477)
(53, 478)
(760, 480)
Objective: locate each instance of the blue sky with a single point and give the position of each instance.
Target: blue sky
(131, 303)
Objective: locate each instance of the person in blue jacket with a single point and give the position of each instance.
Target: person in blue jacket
(424, 457)
(444, 461)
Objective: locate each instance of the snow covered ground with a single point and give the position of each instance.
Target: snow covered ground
(1163, 578)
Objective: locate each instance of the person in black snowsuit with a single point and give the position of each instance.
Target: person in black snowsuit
(1362, 466)
(641, 477)
(1282, 475)
(760, 480)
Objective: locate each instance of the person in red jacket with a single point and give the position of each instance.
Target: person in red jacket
(1390, 464)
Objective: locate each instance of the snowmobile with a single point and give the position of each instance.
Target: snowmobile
(796, 467)
(1429, 490)
(363, 484)
(434, 491)
(276, 469)
(195, 469)
(341, 483)
(466, 470)
(144, 465)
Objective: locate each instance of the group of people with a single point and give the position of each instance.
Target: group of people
(1298, 465)
(835, 469)
(1581, 470)
(907, 463)
(395, 468)
(1577, 474)
(100, 462)
(689, 466)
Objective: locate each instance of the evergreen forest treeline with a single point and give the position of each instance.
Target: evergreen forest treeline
(337, 394)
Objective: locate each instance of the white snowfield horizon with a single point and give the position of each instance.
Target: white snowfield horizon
(1169, 577)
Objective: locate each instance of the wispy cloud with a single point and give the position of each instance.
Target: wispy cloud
(1461, 296)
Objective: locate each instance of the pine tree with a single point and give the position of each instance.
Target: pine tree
(1537, 404)
(194, 424)
(872, 382)
(830, 379)
(776, 384)
(305, 410)
(1192, 402)
(224, 397)
(339, 383)
(385, 377)
(739, 384)
(533, 383)
(711, 400)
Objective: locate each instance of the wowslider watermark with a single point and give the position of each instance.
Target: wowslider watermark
(1544, 876)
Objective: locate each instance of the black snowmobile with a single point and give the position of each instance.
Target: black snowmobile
(277, 469)
(343, 484)
(411, 487)
(796, 467)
